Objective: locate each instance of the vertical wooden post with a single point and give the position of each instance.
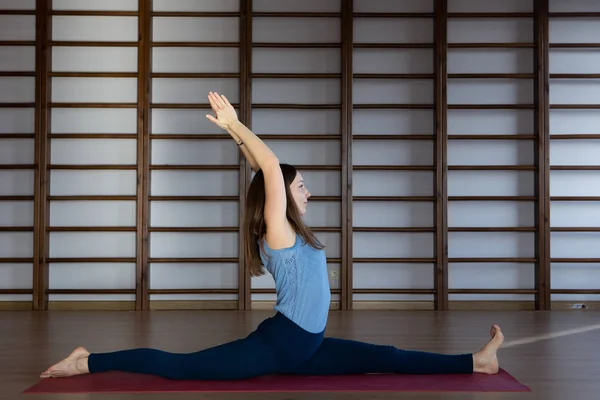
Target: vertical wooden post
(43, 56)
(441, 163)
(143, 155)
(346, 149)
(245, 81)
(542, 157)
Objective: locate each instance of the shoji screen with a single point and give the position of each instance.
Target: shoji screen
(17, 152)
(491, 152)
(195, 173)
(297, 103)
(393, 154)
(574, 65)
(92, 141)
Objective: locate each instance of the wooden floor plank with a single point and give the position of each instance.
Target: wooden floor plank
(559, 368)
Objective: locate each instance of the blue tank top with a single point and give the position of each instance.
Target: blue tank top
(301, 283)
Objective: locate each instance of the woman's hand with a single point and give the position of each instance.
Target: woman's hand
(225, 115)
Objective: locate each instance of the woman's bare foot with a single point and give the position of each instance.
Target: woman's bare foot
(486, 360)
(75, 364)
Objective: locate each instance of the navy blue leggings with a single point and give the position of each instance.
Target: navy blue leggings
(279, 346)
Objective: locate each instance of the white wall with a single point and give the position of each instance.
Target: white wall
(168, 90)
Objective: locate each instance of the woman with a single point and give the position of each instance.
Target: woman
(292, 341)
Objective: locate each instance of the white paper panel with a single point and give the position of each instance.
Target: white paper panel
(16, 244)
(92, 244)
(491, 276)
(573, 5)
(195, 5)
(17, 120)
(16, 276)
(194, 214)
(92, 276)
(94, 120)
(192, 121)
(323, 183)
(267, 60)
(501, 152)
(580, 30)
(574, 183)
(322, 152)
(392, 214)
(491, 244)
(507, 30)
(392, 183)
(95, 28)
(93, 151)
(191, 297)
(491, 183)
(574, 244)
(566, 122)
(584, 91)
(193, 276)
(380, 152)
(332, 243)
(502, 122)
(173, 244)
(407, 6)
(383, 245)
(466, 6)
(389, 91)
(94, 90)
(383, 122)
(17, 89)
(392, 297)
(194, 183)
(94, 59)
(393, 30)
(17, 4)
(16, 182)
(91, 297)
(265, 281)
(574, 276)
(16, 213)
(574, 214)
(17, 27)
(571, 152)
(80, 183)
(506, 61)
(195, 29)
(296, 91)
(295, 122)
(16, 297)
(385, 276)
(178, 90)
(490, 91)
(189, 59)
(492, 297)
(298, 6)
(573, 61)
(190, 152)
(17, 151)
(296, 30)
(17, 58)
(322, 213)
(92, 213)
(111, 5)
(392, 61)
(491, 214)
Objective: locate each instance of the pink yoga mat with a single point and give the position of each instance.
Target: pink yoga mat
(120, 382)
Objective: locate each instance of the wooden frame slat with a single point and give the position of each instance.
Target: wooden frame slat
(347, 76)
(441, 156)
(43, 60)
(144, 119)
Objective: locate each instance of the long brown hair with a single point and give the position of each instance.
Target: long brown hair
(254, 222)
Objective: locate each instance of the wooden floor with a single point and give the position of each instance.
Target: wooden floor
(561, 368)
